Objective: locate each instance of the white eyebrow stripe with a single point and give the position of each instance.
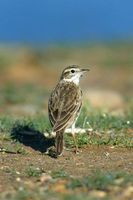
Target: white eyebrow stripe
(68, 70)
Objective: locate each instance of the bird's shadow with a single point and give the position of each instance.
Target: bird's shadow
(29, 136)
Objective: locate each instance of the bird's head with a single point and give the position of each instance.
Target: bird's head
(73, 74)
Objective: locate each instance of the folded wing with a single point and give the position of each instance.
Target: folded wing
(63, 107)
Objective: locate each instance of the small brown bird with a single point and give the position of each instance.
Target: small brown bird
(65, 104)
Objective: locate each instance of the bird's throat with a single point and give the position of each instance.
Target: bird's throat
(74, 80)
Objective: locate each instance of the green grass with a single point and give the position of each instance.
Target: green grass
(26, 94)
(60, 174)
(101, 181)
(39, 122)
(106, 128)
(13, 148)
(32, 171)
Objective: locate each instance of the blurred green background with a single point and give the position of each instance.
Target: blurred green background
(28, 73)
(39, 38)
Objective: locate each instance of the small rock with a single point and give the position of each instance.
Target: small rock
(119, 181)
(112, 147)
(18, 179)
(45, 178)
(17, 172)
(97, 194)
(60, 187)
(107, 154)
(128, 192)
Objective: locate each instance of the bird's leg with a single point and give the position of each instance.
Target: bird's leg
(74, 138)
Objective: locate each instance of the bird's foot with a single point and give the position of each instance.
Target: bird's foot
(51, 152)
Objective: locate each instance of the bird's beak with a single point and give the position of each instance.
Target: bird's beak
(82, 71)
(85, 70)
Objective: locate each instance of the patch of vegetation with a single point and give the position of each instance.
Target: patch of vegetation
(6, 123)
(14, 148)
(103, 121)
(26, 94)
(101, 181)
(38, 123)
(32, 171)
(60, 174)
(105, 128)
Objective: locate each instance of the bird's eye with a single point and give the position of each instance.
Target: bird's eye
(72, 71)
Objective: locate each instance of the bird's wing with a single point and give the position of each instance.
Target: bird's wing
(64, 106)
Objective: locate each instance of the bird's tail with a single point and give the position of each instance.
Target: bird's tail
(59, 143)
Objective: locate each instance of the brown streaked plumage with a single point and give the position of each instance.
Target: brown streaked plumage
(65, 103)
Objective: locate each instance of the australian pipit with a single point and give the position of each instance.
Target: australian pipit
(65, 104)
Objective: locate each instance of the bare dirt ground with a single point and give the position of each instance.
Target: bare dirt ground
(104, 158)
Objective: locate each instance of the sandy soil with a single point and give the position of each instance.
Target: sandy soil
(104, 158)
